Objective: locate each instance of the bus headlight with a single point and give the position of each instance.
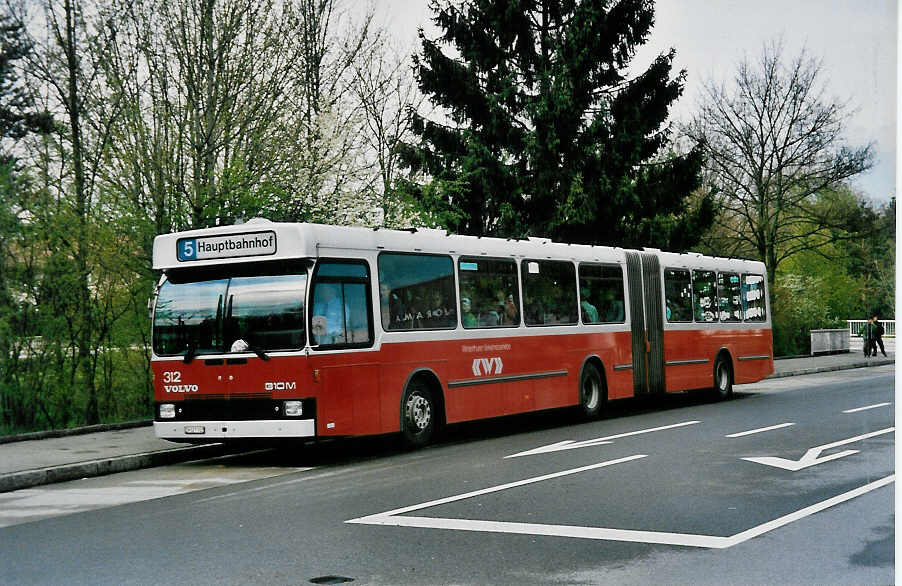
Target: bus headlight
(292, 408)
(167, 411)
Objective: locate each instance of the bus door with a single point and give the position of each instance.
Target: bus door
(647, 324)
(341, 318)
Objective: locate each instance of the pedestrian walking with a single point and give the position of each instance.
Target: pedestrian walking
(866, 337)
(877, 336)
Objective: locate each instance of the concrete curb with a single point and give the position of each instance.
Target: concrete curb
(103, 466)
(39, 435)
(815, 370)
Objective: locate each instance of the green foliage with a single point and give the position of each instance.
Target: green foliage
(850, 278)
(799, 308)
(434, 203)
(547, 134)
(67, 360)
(872, 259)
(38, 397)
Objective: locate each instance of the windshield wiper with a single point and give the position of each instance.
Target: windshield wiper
(190, 353)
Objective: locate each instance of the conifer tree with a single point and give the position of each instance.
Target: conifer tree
(545, 132)
(18, 115)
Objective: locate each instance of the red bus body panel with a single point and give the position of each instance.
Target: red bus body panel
(359, 392)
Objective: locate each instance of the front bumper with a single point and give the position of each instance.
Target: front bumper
(200, 430)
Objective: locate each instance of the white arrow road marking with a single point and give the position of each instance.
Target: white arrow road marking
(866, 408)
(812, 456)
(572, 445)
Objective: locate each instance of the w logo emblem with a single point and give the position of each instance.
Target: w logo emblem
(487, 366)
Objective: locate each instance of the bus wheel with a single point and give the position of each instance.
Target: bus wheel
(418, 414)
(591, 392)
(723, 378)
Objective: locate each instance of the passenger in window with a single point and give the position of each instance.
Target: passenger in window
(495, 315)
(615, 312)
(499, 304)
(590, 313)
(510, 315)
(394, 312)
(466, 313)
(438, 312)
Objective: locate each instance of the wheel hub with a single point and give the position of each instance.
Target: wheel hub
(419, 412)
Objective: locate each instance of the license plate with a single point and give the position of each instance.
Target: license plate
(195, 429)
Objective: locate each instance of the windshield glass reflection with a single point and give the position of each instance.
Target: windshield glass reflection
(266, 312)
(230, 315)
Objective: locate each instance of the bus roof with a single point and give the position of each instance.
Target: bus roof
(263, 240)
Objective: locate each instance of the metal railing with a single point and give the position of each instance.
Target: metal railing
(856, 325)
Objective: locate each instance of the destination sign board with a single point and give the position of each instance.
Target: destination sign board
(227, 246)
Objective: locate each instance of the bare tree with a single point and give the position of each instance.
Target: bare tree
(207, 83)
(774, 146)
(333, 174)
(387, 92)
(238, 108)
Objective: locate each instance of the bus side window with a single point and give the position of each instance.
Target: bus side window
(340, 315)
(489, 295)
(704, 296)
(728, 293)
(601, 293)
(549, 292)
(753, 304)
(677, 295)
(417, 292)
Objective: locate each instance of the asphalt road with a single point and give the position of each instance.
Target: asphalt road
(790, 482)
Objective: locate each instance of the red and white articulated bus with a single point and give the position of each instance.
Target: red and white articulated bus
(284, 330)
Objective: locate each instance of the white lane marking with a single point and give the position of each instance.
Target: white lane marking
(603, 533)
(759, 430)
(498, 488)
(812, 456)
(807, 511)
(572, 445)
(396, 518)
(866, 408)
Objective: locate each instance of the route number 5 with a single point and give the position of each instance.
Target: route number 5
(187, 249)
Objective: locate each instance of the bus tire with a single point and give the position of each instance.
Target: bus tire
(418, 414)
(723, 378)
(592, 392)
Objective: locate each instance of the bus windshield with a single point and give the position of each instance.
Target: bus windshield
(237, 314)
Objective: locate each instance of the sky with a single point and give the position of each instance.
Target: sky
(855, 39)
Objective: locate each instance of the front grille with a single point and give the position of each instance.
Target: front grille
(234, 409)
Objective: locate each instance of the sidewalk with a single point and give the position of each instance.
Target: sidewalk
(43, 458)
(811, 364)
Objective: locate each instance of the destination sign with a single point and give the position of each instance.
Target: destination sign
(231, 246)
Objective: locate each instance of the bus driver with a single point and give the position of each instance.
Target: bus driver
(328, 317)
